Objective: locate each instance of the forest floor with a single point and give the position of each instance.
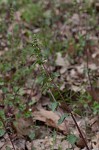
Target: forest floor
(39, 100)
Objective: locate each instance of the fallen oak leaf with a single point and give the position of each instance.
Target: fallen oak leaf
(63, 62)
(95, 141)
(94, 92)
(94, 123)
(50, 118)
(80, 143)
(22, 126)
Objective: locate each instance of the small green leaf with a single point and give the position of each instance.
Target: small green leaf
(8, 148)
(2, 114)
(21, 91)
(2, 132)
(15, 88)
(40, 79)
(1, 124)
(62, 118)
(32, 136)
(5, 90)
(53, 106)
(71, 139)
(27, 114)
(32, 102)
(1, 83)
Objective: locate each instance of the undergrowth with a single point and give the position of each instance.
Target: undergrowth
(26, 59)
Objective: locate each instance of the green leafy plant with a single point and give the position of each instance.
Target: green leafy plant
(2, 130)
(62, 118)
(95, 108)
(71, 138)
(33, 13)
(54, 106)
(28, 55)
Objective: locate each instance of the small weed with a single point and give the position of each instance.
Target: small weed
(28, 55)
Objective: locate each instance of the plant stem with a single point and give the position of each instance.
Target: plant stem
(87, 60)
(68, 109)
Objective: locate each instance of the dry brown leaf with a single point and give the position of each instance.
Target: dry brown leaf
(75, 19)
(48, 143)
(94, 123)
(1, 53)
(20, 144)
(95, 142)
(71, 49)
(94, 92)
(29, 145)
(6, 143)
(51, 119)
(62, 62)
(80, 143)
(2, 142)
(22, 126)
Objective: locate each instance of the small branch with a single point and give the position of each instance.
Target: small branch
(79, 130)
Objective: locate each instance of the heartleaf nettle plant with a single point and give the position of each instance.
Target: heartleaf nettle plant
(25, 59)
(38, 53)
(29, 61)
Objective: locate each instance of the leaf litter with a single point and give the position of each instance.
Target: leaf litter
(71, 73)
